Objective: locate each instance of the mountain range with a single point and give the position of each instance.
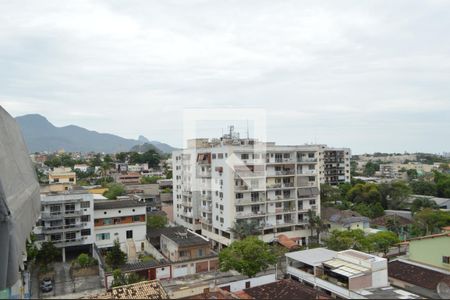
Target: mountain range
(41, 135)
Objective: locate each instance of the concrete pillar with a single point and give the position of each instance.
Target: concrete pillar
(64, 254)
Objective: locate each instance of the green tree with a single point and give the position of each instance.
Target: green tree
(149, 179)
(347, 239)
(412, 174)
(382, 241)
(420, 203)
(48, 253)
(83, 260)
(133, 278)
(118, 278)
(156, 221)
(121, 157)
(245, 228)
(369, 210)
(329, 194)
(364, 193)
(96, 160)
(248, 256)
(443, 188)
(114, 190)
(428, 221)
(422, 187)
(115, 257)
(370, 168)
(32, 250)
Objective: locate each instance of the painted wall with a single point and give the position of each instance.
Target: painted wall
(430, 251)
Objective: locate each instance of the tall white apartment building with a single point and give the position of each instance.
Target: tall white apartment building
(67, 220)
(220, 182)
(334, 165)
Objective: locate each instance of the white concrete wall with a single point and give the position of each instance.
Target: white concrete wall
(256, 281)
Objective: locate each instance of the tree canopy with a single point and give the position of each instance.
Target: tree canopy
(114, 190)
(115, 257)
(248, 256)
(156, 221)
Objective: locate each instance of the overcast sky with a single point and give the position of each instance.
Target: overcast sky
(370, 75)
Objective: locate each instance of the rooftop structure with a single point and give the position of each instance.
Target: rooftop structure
(346, 274)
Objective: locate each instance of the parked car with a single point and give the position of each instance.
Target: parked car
(46, 285)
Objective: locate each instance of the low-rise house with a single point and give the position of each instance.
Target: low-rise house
(124, 220)
(344, 219)
(138, 168)
(189, 252)
(128, 178)
(401, 223)
(62, 175)
(348, 274)
(418, 278)
(442, 203)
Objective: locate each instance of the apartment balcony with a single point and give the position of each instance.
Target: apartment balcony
(340, 291)
(187, 193)
(62, 228)
(280, 161)
(306, 159)
(69, 242)
(307, 184)
(186, 203)
(207, 208)
(244, 215)
(281, 198)
(280, 173)
(73, 213)
(206, 197)
(306, 172)
(278, 223)
(248, 188)
(52, 215)
(280, 185)
(204, 174)
(188, 214)
(49, 201)
(206, 221)
(249, 174)
(259, 200)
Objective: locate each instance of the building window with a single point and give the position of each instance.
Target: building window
(102, 236)
(71, 179)
(220, 155)
(70, 207)
(221, 220)
(85, 204)
(136, 218)
(183, 253)
(244, 156)
(107, 221)
(221, 207)
(247, 284)
(85, 232)
(312, 202)
(446, 259)
(239, 195)
(239, 208)
(55, 208)
(85, 218)
(70, 235)
(200, 252)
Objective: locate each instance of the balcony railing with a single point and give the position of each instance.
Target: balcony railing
(306, 172)
(280, 160)
(240, 215)
(207, 208)
(280, 185)
(246, 174)
(306, 159)
(280, 173)
(250, 201)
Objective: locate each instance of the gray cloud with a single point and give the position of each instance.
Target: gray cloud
(369, 75)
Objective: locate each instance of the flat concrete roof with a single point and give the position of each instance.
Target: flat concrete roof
(312, 257)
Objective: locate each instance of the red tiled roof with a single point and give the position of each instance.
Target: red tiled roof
(416, 275)
(287, 242)
(284, 289)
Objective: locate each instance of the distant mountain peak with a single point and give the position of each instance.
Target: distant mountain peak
(143, 139)
(41, 135)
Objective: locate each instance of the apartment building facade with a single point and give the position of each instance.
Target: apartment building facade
(62, 175)
(334, 165)
(124, 220)
(220, 182)
(67, 220)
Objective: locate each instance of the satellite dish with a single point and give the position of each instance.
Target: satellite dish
(443, 289)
